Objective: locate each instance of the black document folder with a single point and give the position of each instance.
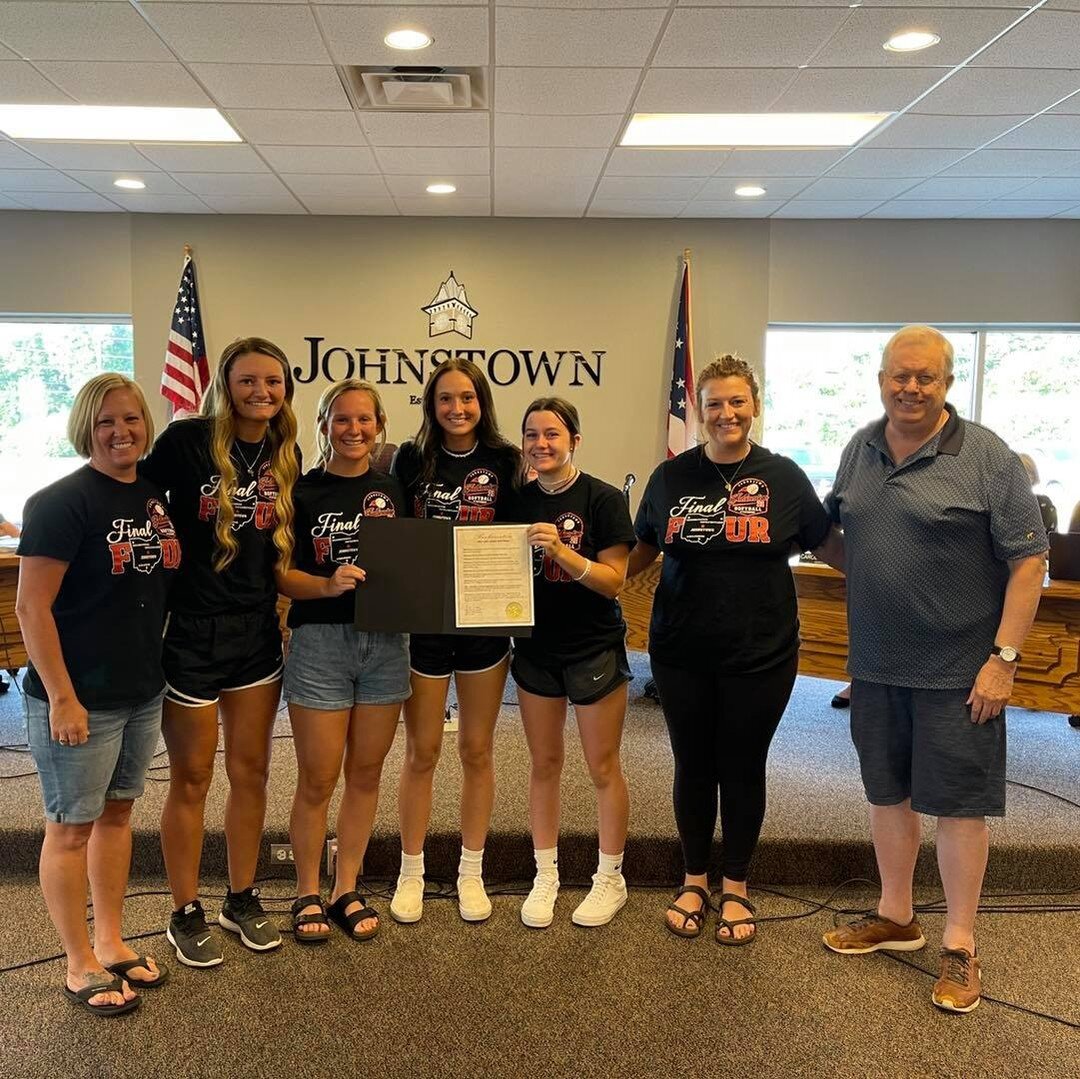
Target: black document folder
(410, 578)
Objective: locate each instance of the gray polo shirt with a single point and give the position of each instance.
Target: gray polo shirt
(927, 545)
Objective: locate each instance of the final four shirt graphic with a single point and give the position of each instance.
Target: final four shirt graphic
(122, 552)
(726, 598)
(330, 511)
(572, 621)
(181, 463)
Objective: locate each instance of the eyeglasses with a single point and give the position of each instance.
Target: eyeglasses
(924, 381)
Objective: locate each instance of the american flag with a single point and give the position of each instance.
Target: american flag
(682, 422)
(187, 374)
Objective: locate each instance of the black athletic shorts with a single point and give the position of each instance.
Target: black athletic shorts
(584, 682)
(438, 655)
(205, 656)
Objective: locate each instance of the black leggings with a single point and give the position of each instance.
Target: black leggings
(721, 726)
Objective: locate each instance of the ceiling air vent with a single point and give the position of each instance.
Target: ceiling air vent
(417, 88)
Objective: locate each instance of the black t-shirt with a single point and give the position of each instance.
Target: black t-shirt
(572, 621)
(122, 551)
(180, 462)
(726, 599)
(329, 513)
(475, 487)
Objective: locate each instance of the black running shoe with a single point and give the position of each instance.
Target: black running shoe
(195, 942)
(243, 913)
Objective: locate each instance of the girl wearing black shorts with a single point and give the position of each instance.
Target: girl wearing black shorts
(581, 535)
(344, 686)
(230, 474)
(459, 468)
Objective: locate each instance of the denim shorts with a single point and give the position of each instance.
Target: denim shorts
(333, 667)
(77, 781)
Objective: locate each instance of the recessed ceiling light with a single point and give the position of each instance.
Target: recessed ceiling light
(441, 189)
(408, 39)
(129, 185)
(750, 129)
(911, 41)
(115, 123)
(750, 191)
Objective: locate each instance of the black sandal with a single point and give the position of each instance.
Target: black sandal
(82, 997)
(693, 920)
(730, 923)
(347, 923)
(122, 969)
(310, 936)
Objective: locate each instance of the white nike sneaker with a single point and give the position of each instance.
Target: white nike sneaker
(473, 902)
(538, 910)
(606, 898)
(407, 906)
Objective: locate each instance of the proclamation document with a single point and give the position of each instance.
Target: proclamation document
(493, 578)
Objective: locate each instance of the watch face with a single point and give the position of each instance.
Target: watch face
(1008, 654)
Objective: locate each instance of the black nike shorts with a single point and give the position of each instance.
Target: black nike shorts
(584, 682)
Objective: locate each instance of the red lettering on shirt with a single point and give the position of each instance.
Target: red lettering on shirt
(481, 514)
(265, 517)
(208, 507)
(170, 553)
(121, 555)
(759, 530)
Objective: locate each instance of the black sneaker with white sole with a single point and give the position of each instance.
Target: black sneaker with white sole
(242, 913)
(195, 942)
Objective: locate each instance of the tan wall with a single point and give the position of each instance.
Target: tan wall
(608, 285)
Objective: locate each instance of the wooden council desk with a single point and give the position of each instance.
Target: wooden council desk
(1048, 678)
(12, 652)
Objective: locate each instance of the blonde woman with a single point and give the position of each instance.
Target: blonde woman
(230, 474)
(344, 686)
(98, 551)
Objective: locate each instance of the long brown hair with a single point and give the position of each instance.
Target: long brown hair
(217, 406)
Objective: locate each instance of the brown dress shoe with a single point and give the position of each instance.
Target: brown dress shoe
(959, 988)
(872, 932)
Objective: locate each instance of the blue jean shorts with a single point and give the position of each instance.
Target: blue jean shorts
(77, 781)
(333, 667)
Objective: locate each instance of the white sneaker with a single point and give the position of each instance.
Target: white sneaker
(606, 898)
(472, 900)
(538, 910)
(408, 903)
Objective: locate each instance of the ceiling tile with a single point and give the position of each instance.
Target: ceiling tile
(426, 129)
(917, 208)
(430, 207)
(914, 131)
(768, 3)
(332, 186)
(648, 187)
(254, 204)
(1063, 187)
(538, 206)
(1043, 39)
(355, 205)
(777, 187)
(746, 37)
(778, 162)
(7, 54)
(556, 161)
(296, 127)
(44, 30)
(666, 89)
(12, 157)
(324, 159)
(573, 3)
(245, 184)
(118, 83)
(564, 91)
(997, 92)
(636, 161)
(636, 207)
(37, 180)
(412, 160)
(842, 189)
(139, 202)
(733, 208)
(855, 89)
(573, 38)
(859, 41)
(965, 187)
(873, 163)
(355, 34)
(284, 86)
(413, 187)
(82, 201)
(1047, 132)
(586, 131)
(101, 155)
(1031, 163)
(223, 33)
(556, 189)
(1014, 208)
(20, 84)
(157, 183)
(10, 204)
(826, 209)
(1019, 4)
(203, 158)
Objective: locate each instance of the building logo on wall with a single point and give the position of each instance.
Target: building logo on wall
(450, 311)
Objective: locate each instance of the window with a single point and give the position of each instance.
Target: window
(43, 364)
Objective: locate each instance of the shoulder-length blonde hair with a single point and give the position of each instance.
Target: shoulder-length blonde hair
(326, 407)
(88, 402)
(217, 406)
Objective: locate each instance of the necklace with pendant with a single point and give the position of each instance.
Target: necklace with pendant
(728, 483)
(250, 465)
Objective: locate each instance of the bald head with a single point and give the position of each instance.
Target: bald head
(923, 336)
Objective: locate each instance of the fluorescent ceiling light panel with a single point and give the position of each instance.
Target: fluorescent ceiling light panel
(112, 123)
(750, 129)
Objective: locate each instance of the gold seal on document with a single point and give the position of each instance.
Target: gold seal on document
(513, 610)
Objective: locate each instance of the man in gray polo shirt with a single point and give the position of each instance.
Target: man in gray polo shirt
(945, 557)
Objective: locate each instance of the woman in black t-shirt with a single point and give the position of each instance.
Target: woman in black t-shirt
(459, 468)
(724, 635)
(97, 552)
(344, 686)
(230, 474)
(581, 534)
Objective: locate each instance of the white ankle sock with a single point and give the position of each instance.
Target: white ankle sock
(472, 862)
(412, 865)
(547, 861)
(610, 864)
